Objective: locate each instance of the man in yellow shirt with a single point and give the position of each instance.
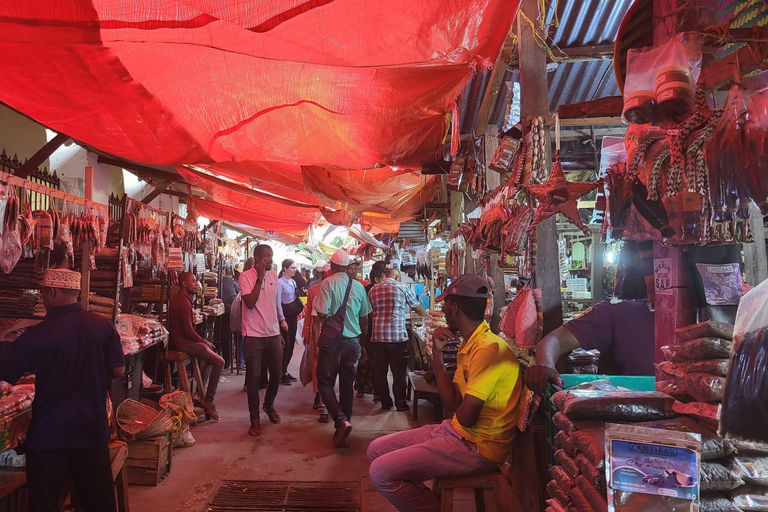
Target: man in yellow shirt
(485, 393)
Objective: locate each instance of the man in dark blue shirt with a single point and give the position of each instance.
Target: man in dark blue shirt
(73, 354)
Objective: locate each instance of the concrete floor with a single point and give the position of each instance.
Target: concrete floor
(298, 449)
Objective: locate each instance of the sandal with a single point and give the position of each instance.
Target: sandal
(272, 415)
(210, 411)
(255, 429)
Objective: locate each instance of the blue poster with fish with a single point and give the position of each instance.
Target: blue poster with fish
(654, 468)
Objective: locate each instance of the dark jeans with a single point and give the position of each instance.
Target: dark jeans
(90, 469)
(386, 356)
(342, 362)
(290, 341)
(257, 350)
(211, 372)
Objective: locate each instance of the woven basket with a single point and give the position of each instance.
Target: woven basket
(138, 421)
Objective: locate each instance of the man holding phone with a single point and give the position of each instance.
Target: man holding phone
(263, 318)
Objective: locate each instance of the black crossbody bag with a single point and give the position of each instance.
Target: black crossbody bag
(333, 328)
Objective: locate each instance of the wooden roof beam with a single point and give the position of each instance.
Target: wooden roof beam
(579, 54)
(159, 189)
(42, 155)
(494, 84)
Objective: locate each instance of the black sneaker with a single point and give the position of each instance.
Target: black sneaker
(291, 377)
(402, 407)
(387, 405)
(285, 381)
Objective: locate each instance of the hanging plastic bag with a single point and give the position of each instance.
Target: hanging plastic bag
(661, 80)
(11, 239)
(526, 326)
(745, 403)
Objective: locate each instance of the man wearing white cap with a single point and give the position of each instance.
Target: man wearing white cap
(73, 354)
(484, 393)
(341, 295)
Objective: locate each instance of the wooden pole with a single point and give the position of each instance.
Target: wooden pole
(497, 274)
(534, 95)
(88, 185)
(85, 274)
(755, 261)
(598, 251)
(457, 214)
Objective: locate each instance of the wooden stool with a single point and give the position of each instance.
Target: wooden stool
(487, 491)
(181, 358)
(420, 389)
(118, 452)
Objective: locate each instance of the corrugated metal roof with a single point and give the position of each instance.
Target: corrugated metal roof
(587, 23)
(574, 82)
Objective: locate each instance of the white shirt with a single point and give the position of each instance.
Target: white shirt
(263, 321)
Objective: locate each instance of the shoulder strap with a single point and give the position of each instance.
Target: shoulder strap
(343, 308)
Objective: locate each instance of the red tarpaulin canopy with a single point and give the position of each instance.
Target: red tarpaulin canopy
(282, 94)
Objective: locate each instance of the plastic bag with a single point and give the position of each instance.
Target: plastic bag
(751, 498)
(579, 501)
(717, 367)
(631, 406)
(509, 321)
(634, 502)
(708, 329)
(596, 477)
(744, 446)
(595, 498)
(11, 249)
(716, 477)
(753, 470)
(564, 442)
(744, 412)
(661, 80)
(659, 462)
(569, 426)
(554, 506)
(706, 414)
(716, 503)
(564, 480)
(567, 462)
(591, 443)
(562, 422)
(712, 445)
(698, 387)
(735, 152)
(700, 348)
(557, 493)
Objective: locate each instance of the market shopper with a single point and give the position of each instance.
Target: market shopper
(73, 354)
(230, 288)
(365, 380)
(183, 337)
(342, 361)
(292, 306)
(311, 333)
(622, 329)
(318, 274)
(262, 321)
(485, 393)
(391, 302)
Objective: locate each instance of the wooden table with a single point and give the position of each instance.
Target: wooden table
(423, 390)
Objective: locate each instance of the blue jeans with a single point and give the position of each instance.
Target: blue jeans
(342, 362)
(402, 461)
